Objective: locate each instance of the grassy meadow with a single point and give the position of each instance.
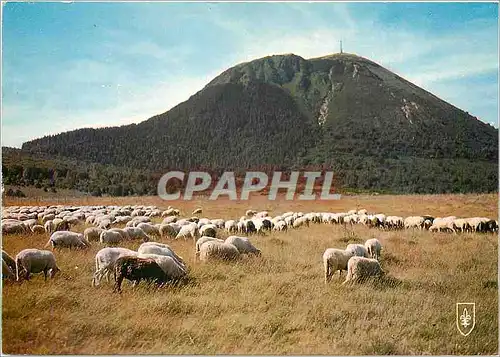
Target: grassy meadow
(275, 304)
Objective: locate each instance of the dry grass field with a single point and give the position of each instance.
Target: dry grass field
(275, 304)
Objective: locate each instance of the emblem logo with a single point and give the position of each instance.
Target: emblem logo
(466, 317)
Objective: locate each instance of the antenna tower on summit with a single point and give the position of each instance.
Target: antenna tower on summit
(341, 46)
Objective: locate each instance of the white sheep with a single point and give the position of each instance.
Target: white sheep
(230, 226)
(280, 226)
(67, 239)
(373, 247)
(167, 230)
(360, 268)
(136, 233)
(12, 227)
(197, 211)
(92, 234)
(169, 219)
(460, 224)
(189, 230)
(110, 237)
(148, 228)
(250, 213)
(202, 240)
(208, 230)
(34, 261)
(301, 221)
(217, 250)
(242, 227)
(243, 245)
(414, 222)
(160, 249)
(333, 260)
(38, 229)
(123, 232)
(218, 222)
(105, 260)
(357, 250)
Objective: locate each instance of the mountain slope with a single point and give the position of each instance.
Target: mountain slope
(343, 111)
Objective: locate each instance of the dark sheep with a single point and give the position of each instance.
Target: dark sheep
(136, 269)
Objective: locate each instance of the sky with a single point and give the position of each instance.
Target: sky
(73, 65)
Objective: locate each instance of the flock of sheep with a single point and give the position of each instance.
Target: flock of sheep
(158, 261)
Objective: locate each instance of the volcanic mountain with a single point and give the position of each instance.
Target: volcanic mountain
(341, 112)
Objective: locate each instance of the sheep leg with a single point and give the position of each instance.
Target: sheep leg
(45, 274)
(118, 284)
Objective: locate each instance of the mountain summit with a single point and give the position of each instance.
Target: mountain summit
(342, 111)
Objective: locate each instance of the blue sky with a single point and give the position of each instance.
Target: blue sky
(74, 65)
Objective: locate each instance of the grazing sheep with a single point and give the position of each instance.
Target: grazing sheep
(216, 250)
(167, 230)
(7, 272)
(261, 214)
(183, 222)
(105, 260)
(208, 230)
(441, 224)
(11, 263)
(59, 224)
(231, 226)
(29, 224)
(110, 237)
(168, 212)
(48, 226)
(34, 261)
(11, 227)
(38, 229)
(197, 211)
(280, 226)
(148, 228)
(203, 221)
(136, 233)
(301, 221)
(394, 222)
(219, 223)
(123, 232)
(357, 250)
(189, 230)
(92, 234)
(202, 240)
(361, 268)
(250, 226)
(373, 248)
(169, 219)
(414, 222)
(289, 220)
(460, 225)
(250, 213)
(67, 239)
(48, 217)
(136, 269)
(333, 260)
(160, 249)
(173, 270)
(243, 245)
(242, 227)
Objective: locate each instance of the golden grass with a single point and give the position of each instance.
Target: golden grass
(276, 304)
